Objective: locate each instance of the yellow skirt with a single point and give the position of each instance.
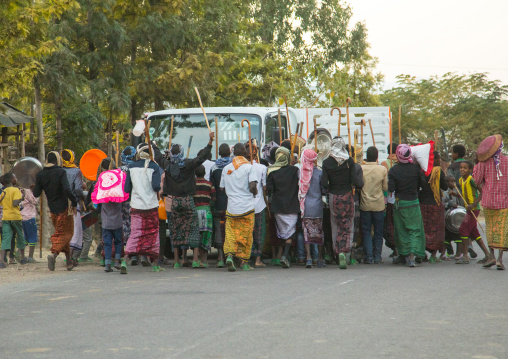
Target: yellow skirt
(496, 221)
(239, 230)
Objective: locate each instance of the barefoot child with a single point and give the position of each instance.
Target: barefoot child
(11, 220)
(204, 193)
(468, 229)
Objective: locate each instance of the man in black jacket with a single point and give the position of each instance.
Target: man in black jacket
(53, 181)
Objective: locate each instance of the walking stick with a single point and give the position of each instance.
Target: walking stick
(477, 221)
(400, 112)
(293, 143)
(239, 140)
(315, 139)
(372, 133)
(340, 117)
(348, 101)
(171, 132)
(216, 139)
(362, 123)
(117, 146)
(188, 148)
(287, 116)
(301, 128)
(202, 109)
(280, 128)
(355, 143)
(250, 141)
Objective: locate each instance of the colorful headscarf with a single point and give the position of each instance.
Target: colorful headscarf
(70, 163)
(404, 154)
(307, 166)
(176, 162)
(128, 159)
(238, 162)
(266, 151)
(58, 159)
(222, 162)
(497, 161)
(338, 150)
(281, 159)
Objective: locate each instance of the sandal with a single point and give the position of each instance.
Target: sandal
(482, 261)
(462, 261)
(489, 263)
(262, 265)
(499, 266)
(220, 264)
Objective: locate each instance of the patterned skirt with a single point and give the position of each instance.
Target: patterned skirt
(409, 234)
(239, 230)
(144, 238)
(313, 230)
(205, 226)
(496, 222)
(434, 225)
(64, 229)
(258, 234)
(388, 228)
(184, 223)
(342, 213)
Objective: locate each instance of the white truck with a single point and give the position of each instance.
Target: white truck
(264, 125)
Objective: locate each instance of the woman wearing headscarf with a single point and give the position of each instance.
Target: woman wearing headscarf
(180, 184)
(143, 183)
(405, 179)
(75, 179)
(491, 173)
(53, 181)
(432, 209)
(338, 179)
(310, 195)
(282, 186)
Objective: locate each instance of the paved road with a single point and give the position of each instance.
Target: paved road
(368, 311)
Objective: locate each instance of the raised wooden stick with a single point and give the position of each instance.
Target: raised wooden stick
(400, 130)
(362, 123)
(171, 132)
(250, 138)
(372, 133)
(147, 138)
(348, 101)
(216, 139)
(287, 116)
(465, 203)
(340, 117)
(436, 138)
(355, 136)
(280, 128)
(315, 139)
(188, 148)
(202, 109)
(301, 128)
(293, 142)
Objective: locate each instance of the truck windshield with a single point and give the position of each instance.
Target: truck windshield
(184, 126)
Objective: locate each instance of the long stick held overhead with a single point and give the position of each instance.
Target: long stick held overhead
(216, 139)
(202, 109)
(315, 139)
(400, 129)
(147, 138)
(362, 123)
(280, 127)
(348, 101)
(372, 133)
(340, 117)
(171, 132)
(250, 138)
(188, 148)
(287, 116)
(117, 157)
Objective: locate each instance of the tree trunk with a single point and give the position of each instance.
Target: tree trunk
(38, 118)
(109, 135)
(32, 123)
(58, 116)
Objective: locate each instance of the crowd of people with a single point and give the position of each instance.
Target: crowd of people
(255, 203)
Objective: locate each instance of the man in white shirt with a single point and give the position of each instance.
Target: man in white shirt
(259, 207)
(239, 180)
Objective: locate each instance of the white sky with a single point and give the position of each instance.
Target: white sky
(433, 37)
